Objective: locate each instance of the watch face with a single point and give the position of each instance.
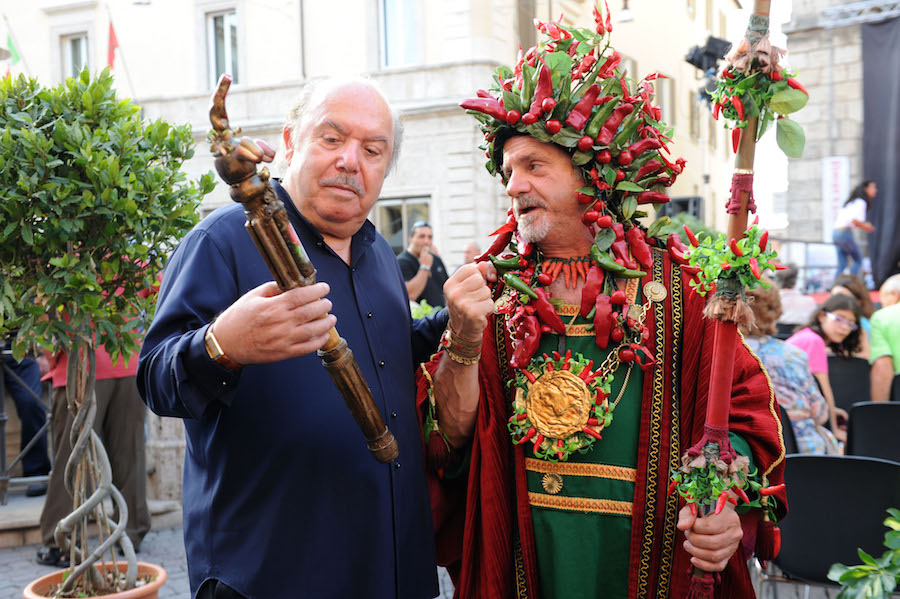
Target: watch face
(445, 338)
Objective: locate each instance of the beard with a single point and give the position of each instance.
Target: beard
(533, 226)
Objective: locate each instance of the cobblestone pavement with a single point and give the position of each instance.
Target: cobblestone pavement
(18, 566)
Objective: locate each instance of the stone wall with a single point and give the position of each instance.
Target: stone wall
(829, 63)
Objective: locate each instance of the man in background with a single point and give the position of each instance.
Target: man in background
(423, 270)
(797, 308)
(470, 252)
(884, 345)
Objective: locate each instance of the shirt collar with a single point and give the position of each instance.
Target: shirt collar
(359, 243)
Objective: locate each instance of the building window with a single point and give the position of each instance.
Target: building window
(694, 107)
(402, 30)
(222, 39)
(713, 133)
(664, 96)
(393, 218)
(74, 53)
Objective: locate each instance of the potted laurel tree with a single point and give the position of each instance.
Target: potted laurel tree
(93, 201)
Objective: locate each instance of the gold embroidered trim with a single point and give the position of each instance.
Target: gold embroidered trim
(568, 310)
(671, 512)
(581, 504)
(772, 409)
(521, 581)
(655, 449)
(578, 330)
(571, 469)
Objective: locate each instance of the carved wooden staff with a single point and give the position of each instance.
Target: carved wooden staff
(728, 307)
(277, 242)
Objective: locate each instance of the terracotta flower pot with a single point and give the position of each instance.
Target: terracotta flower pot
(40, 588)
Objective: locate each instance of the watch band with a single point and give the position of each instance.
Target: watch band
(215, 351)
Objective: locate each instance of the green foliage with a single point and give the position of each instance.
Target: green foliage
(422, 309)
(875, 577)
(717, 260)
(93, 201)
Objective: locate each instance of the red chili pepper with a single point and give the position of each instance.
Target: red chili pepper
(726, 266)
(593, 285)
(608, 23)
(676, 248)
(639, 147)
(618, 297)
(741, 493)
(637, 241)
(581, 112)
(546, 312)
(598, 19)
(738, 106)
(529, 118)
(796, 85)
(611, 126)
(590, 217)
(542, 91)
(763, 241)
(652, 197)
(728, 74)
(620, 175)
(605, 221)
(693, 508)
(672, 486)
(544, 279)
(512, 117)
(489, 106)
(717, 107)
(720, 502)
(776, 75)
(603, 157)
(754, 268)
(691, 237)
(498, 245)
(766, 491)
(734, 248)
(602, 326)
(777, 265)
(607, 69)
(735, 139)
(527, 340)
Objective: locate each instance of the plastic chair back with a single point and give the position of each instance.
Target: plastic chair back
(837, 504)
(849, 378)
(874, 430)
(787, 431)
(895, 389)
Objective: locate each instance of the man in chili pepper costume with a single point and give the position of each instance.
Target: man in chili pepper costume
(575, 366)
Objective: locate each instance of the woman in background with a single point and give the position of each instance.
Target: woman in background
(835, 326)
(852, 214)
(853, 286)
(788, 368)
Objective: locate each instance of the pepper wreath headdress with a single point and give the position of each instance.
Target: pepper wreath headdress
(569, 90)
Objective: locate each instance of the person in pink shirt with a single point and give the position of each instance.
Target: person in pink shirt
(834, 326)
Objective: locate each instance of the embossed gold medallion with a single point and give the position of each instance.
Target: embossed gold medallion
(655, 291)
(552, 483)
(503, 303)
(558, 404)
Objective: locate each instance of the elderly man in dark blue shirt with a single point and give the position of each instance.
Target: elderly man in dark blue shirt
(281, 496)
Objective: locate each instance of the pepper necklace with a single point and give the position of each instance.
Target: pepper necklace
(561, 401)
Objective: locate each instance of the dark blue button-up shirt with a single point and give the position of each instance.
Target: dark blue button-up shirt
(281, 496)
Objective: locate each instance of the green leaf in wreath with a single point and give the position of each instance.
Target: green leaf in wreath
(629, 186)
(604, 239)
(787, 101)
(580, 158)
(790, 137)
(629, 205)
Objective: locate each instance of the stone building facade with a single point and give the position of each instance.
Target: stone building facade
(427, 56)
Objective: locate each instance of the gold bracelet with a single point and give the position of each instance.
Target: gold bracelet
(462, 359)
(460, 350)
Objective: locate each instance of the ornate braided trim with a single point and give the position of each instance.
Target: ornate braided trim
(568, 310)
(581, 504)
(595, 470)
(578, 330)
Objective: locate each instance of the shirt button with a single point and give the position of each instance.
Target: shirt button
(381, 363)
(393, 414)
(369, 315)
(396, 465)
(320, 243)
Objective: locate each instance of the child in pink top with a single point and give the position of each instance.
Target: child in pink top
(834, 325)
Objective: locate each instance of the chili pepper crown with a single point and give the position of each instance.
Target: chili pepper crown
(569, 90)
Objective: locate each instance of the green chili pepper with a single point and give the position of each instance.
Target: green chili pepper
(516, 283)
(593, 127)
(507, 264)
(605, 261)
(630, 273)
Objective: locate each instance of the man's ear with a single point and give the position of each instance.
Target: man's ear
(288, 145)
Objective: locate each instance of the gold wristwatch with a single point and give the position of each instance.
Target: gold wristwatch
(215, 352)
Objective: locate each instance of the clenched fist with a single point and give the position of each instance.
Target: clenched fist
(469, 300)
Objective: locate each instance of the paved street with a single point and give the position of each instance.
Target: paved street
(165, 547)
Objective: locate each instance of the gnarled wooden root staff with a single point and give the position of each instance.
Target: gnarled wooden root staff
(236, 161)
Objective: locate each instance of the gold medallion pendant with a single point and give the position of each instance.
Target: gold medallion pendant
(561, 405)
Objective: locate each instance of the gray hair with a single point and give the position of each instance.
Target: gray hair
(316, 89)
(891, 285)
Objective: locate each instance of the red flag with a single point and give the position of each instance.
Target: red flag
(113, 44)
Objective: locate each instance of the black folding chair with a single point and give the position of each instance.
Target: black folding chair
(849, 378)
(874, 430)
(895, 389)
(784, 330)
(837, 504)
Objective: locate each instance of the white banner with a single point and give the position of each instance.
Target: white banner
(835, 189)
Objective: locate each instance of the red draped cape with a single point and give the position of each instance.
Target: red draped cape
(483, 519)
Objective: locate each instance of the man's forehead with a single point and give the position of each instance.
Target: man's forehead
(525, 147)
(352, 104)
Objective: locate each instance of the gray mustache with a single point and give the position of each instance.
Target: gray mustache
(345, 180)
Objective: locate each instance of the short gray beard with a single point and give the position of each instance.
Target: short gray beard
(534, 232)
